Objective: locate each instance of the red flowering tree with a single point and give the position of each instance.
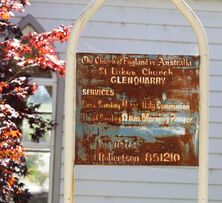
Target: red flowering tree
(18, 56)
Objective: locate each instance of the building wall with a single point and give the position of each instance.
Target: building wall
(144, 27)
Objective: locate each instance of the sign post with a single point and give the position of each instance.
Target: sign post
(70, 99)
(203, 106)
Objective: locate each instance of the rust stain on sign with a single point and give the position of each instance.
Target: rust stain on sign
(137, 109)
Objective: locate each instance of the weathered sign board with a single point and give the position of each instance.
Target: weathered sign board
(137, 109)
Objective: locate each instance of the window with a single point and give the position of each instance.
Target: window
(40, 155)
(40, 159)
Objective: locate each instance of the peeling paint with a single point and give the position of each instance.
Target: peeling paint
(137, 109)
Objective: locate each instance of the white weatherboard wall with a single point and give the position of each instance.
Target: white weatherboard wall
(145, 27)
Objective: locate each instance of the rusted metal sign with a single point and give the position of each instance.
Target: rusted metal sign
(137, 109)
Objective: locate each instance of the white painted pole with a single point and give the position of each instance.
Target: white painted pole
(203, 106)
(70, 98)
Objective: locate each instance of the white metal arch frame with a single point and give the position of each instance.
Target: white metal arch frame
(70, 96)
